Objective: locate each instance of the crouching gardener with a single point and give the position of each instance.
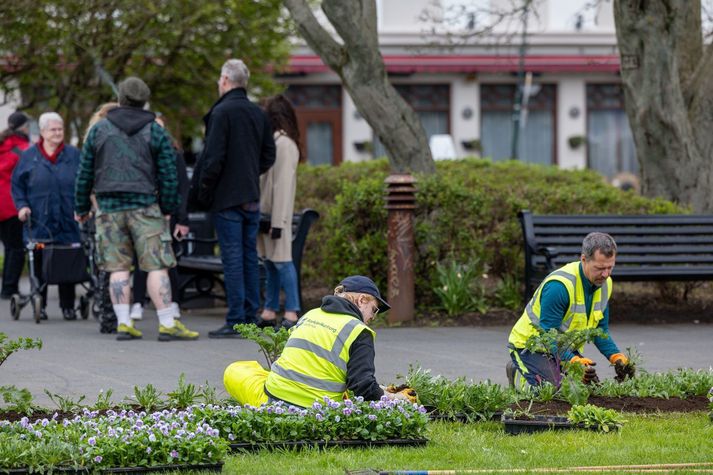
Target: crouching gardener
(330, 350)
(574, 297)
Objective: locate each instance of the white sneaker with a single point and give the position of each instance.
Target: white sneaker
(137, 311)
(176, 310)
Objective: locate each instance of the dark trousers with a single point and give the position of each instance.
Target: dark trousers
(14, 259)
(237, 235)
(66, 291)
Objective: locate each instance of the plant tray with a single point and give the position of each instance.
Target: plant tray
(202, 467)
(303, 444)
(543, 423)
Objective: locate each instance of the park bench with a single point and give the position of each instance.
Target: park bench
(201, 268)
(650, 247)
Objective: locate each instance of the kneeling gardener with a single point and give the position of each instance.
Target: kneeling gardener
(574, 297)
(330, 351)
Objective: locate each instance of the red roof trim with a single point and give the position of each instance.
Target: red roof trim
(474, 64)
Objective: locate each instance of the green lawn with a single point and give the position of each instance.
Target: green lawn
(653, 439)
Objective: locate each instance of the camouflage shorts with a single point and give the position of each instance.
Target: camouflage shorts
(143, 230)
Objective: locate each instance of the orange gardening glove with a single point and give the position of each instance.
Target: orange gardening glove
(582, 360)
(622, 368)
(618, 358)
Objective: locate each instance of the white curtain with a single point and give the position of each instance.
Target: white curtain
(535, 144)
(610, 144)
(319, 143)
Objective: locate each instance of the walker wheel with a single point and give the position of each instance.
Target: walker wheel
(37, 307)
(15, 306)
(84, 305)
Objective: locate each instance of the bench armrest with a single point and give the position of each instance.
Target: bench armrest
(549, 253)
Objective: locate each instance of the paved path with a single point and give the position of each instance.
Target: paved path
(77, 360)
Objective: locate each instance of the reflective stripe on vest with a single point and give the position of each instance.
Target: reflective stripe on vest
(330, 355)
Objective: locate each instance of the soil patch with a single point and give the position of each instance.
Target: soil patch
(641, 405)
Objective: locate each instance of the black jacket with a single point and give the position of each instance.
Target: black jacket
(238, 149)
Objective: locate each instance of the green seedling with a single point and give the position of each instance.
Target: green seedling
(185, 395)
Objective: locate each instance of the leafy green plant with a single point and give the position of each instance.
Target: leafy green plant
(460, 288)
(508, 293)
(680, 383)
(520, 411)
(18, 400)
(556, 343)
(270, 341)
(148, 397)
(458, 399)
(65, 403)
(185, 394)
(103, 401)
(208, 394)
(589, 415)
(8, 347)
(573, 390)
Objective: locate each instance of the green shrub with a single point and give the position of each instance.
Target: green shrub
(460, 288)
(466, 211)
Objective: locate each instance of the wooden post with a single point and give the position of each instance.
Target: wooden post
(401, 203)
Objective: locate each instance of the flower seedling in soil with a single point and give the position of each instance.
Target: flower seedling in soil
(65, 403)
(19, 400)
(103, 401)
(148, 398)
(589, 415)
(186, 394)
(627, 371)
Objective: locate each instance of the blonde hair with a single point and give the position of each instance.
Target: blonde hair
(100, 113)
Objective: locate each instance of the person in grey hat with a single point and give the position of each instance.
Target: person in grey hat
(129, 162)
(13, 141)
(330, 351)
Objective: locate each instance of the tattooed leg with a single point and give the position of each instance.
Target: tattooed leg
(119, 289)
(159, 287)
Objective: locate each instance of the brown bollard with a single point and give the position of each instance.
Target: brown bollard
(401, 203)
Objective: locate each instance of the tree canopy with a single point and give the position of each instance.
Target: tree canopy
(63, 55)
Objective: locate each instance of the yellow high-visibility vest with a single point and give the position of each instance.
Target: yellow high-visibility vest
(314, 361)
(576, 317)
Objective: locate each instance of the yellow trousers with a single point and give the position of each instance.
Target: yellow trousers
(245, 382)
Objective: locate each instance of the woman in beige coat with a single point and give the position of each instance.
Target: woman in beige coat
(277, 199)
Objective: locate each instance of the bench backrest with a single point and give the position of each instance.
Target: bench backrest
(650, 247)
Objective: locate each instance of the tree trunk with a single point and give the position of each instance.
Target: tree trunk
(359, 64)
(668, 87)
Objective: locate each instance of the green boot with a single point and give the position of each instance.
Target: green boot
(127, 332)
(177, 332)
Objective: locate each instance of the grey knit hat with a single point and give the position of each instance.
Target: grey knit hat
(134, 92)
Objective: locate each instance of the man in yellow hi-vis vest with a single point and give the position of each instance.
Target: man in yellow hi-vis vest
(573, 297)
(330, 351)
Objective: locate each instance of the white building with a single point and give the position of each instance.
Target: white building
(575, 116)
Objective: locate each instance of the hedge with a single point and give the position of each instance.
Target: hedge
(466, 212)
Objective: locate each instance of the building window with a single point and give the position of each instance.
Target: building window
(536, 140)
(431, 102)
(610, 145)
(319, 116)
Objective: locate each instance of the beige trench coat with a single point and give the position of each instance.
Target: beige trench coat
(277, 198)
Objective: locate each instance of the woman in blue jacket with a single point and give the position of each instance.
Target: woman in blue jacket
(43, 191)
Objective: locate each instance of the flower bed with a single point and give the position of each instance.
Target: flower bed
(683, 390)
(199, 436)
(323, 422)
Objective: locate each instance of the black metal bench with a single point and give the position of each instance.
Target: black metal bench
(650, 247)
(202, 268)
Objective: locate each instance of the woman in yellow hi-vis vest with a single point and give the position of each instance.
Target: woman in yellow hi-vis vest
(574, 297)
(330, 351)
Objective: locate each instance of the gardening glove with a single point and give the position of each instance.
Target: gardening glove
(622, 367)
(276, 233)
(590, 375)
(403, 393)
(582, 360)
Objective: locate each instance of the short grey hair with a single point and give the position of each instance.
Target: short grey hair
(601, 242)
(48, 117)
(236, 72)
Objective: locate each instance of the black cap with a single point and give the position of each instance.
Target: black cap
(133, 91)
(363, 285)
(17, 120)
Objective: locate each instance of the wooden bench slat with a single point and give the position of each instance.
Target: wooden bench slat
(556, 241)
(644, 249)
(619, 230)
(664, 219)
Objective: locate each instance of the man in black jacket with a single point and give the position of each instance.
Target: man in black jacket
(238, 148)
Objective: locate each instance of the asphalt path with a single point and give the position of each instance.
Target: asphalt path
(78, 360)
